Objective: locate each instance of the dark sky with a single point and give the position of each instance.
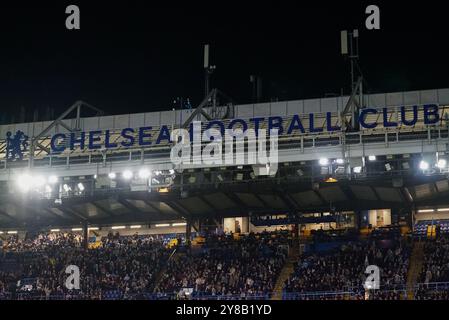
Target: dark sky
(132, 57)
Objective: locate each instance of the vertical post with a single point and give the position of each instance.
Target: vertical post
(78, 117)
(206, 70)
(86, 235)
(351, 58)
(188, 231)
(298, 241)
(31, 156)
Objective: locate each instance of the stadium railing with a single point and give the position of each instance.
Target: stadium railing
(355, 294)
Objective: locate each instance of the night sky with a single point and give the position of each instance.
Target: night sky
(131, 57)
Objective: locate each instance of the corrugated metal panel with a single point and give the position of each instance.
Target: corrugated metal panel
(220, 201)
(364, 193)
(273, 201)
(329, 104)
(106, 122)
(141, 205)
(161, 206)
(422, 191)
(312, 106)
(332, 194)
(411, 98)
(442, 185)
(137, 120)
(89, 210)
(278, 108)
(244, 111)
(376, 100)
(262, 109)
(429, 96)
(389, 194)
(440, 96)
(443, 96)
(395, 99)
(295, 107)
(195, 205)
(307, 198)
(152, 119)
(250, 200)
(122, 121)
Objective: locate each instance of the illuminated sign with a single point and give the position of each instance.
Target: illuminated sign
(142, 137)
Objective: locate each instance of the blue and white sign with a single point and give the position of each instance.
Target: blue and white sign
(142, 137)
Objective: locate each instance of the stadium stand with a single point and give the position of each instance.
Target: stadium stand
(223, 267)
(229, 268)
(123, 267)
(340, 272)
(434, 277)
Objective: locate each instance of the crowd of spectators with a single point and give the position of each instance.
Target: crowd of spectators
(436, 261)
(343, 270)
(435, 270)
(225, 267)
(131, 267)
(128, 265)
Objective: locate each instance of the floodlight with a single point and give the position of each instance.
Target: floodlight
(127, 174)
(423, 165)
(442, 163)
(144, 173)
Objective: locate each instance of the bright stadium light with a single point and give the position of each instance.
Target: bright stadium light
(48, 189)
(12, 232)
(372, 158)
(324, 162)
(118, 227)
(179, 224)
(39, 181)
(94, 229)
(55, 230)
(340, 161)
(53, 179)
(426, 210)
(442, 163)
(135, 227)
(162, 225)
(423, 165)
(24, 182)
(357, 169)
(112, 175)
(443, 209)
(127, 174)
(1, 232)
(77, 229)
(144, 173)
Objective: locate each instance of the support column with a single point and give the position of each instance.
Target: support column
(86, 235)
(188, 232)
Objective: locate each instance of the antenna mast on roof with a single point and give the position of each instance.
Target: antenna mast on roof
(355, 102)
(208, 70)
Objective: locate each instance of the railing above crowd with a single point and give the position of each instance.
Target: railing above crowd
(398, 292)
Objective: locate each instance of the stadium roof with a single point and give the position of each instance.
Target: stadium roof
(226, 200)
